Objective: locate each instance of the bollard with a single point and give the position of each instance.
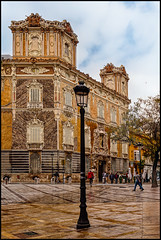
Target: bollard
(63, 179)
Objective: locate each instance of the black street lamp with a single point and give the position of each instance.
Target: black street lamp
(81, 92)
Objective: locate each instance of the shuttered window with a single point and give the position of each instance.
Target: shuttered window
(113, 115)
(35, 134)
(68, 98)
(68, 138)
(34, 95)
(136, 155)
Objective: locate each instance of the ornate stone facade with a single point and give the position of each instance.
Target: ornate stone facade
(39, 112)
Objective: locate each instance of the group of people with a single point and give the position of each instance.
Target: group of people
(113, 177)
(138, 178)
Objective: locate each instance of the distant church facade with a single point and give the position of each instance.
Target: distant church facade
(40, 121)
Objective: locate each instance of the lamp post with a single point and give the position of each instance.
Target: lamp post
(81, 92)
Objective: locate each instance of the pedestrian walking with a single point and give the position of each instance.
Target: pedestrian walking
(111, 177)
(138, 182)
(90, 177)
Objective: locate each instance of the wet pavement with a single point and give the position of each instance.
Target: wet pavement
(51, 211)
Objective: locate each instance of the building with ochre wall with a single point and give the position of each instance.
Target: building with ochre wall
(40, 121)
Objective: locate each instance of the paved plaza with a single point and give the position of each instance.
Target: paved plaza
(51, 211)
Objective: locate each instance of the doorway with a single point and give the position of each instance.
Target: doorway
(34, 163)
(102, 168)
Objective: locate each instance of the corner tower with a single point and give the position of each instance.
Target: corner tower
(115, 78)
(38, 38)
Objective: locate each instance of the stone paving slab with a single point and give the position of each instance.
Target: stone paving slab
(52, 212)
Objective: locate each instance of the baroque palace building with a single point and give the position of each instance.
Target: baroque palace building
(40, 121)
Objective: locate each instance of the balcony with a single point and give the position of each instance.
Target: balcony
(35, 146)
(68, 147)
(34, 105)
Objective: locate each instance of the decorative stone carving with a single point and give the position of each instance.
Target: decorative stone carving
(34, 20)
(35, 44)
(97, 148)
(35, 71)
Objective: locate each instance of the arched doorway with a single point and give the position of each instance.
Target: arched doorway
(34, 163)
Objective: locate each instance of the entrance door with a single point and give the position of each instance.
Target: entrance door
(102, 167)
(34, 163)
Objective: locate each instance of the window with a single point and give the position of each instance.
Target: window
(68, 134)
(35, 95)
(68, 98)
(35, 132)
(100, 110)
(87, 109)
(113, 114)
(136, 155)
(113, 146)
(125, 148)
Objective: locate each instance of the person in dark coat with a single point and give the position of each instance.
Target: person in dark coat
(138, 182)
(111, 177)
(56, 176)
(116, 177)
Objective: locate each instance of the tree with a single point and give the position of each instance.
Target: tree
(142, 122)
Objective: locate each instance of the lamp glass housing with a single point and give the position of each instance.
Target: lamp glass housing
(81, 92)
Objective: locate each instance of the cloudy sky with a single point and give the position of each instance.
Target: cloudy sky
(119, 32)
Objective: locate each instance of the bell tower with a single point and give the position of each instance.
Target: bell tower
(35, 37)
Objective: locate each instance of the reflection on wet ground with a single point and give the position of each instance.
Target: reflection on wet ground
(37, 211)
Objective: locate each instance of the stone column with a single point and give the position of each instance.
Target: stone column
(14, 92)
